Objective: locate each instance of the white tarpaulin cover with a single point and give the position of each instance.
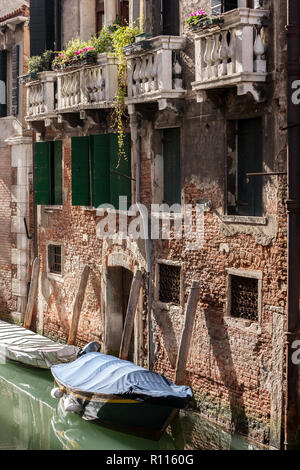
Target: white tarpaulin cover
(22, 345)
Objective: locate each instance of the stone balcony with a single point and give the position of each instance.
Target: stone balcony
(55, 95)
(232, 54)
(154, 71)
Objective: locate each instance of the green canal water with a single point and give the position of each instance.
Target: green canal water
(31, 419)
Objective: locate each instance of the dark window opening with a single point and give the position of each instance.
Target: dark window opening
(244, 298)
(244, 142)
(99, 15)
(54, 259)
(221, 6)
(3, 83)
(169, 284)
(170, 17)
(45, 26)
(123, 11)
(172, 166)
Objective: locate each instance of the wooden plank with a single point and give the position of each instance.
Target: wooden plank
(130, 314)
(32, 293)
(78, 305)
(187, 333)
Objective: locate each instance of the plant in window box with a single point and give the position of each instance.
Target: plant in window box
(37, 64)
(200, 19)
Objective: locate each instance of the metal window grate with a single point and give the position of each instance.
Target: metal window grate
(244, 298)
(54, 259)
(169, 284)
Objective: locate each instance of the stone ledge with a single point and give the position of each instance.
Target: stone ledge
(244, 220)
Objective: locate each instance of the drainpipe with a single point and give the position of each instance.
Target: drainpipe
(292, 421)
(136, 127)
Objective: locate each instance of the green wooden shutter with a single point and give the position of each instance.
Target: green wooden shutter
(101, 174)
(249, 161)
(81, 195)
(57, 173)
(3, 80)
(172, 166)
(42, 173)
(120, 183)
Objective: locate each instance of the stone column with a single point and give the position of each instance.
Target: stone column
(110, 12)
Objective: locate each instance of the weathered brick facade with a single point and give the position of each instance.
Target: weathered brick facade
(235, 366)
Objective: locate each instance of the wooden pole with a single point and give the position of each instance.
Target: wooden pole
(32, 293)
(187, 333)
(130, 314)
(78, 305)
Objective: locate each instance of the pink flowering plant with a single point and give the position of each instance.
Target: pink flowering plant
(197, 17)
(75, 52)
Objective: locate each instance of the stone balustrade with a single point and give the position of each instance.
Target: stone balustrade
(41, 96)
(73, 89)
(88, 86)
(155, 73)
(231, 54)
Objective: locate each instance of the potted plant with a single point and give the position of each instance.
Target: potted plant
(200, 19)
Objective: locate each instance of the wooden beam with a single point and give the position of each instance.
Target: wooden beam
(32, 293)
(187, 333)
(136, 285)
(78, 305)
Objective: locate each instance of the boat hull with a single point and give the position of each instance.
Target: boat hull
(139, 418)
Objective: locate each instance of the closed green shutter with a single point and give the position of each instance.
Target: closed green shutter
(120, 182)
(42, 173)
(172, 166)
(249, 161)
(15, 58)
(57, 173)
(3, 80)
(101, 175)
(81, 190)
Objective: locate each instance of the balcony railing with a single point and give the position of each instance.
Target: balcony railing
(155, 73)
(41, 96)
(73, 89)
(89, 86)
(231, 54)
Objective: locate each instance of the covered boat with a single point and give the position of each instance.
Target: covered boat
(22, 345)
(120, 394)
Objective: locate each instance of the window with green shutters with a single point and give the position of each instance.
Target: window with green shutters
(48, 173)
(97, 175)
(3, 83)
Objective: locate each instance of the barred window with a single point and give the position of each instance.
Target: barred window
(244, 298)
(54, 259)
(169, 283)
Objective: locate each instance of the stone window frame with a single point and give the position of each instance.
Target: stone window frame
(159, 303)
(51, 275)
(241, 323)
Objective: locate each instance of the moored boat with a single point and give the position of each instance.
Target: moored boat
(24, 346)
(120, 394)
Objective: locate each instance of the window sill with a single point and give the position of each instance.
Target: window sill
(244, 220)
(50, 209)
(243, 325)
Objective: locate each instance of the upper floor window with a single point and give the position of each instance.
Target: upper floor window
(99, 15)
(244, 194)
(9, 72)
(170, 17)
(123, 11)
(3, 83)
(221, 6)
(45, 26)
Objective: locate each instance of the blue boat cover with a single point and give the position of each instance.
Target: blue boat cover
(96, 373)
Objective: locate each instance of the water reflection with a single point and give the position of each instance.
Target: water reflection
(31, 419)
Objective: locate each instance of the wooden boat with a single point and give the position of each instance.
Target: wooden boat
(119, 394)
(24, 346)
